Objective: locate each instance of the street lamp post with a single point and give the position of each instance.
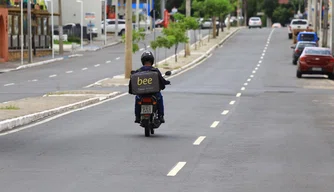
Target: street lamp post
(79, 1)
(52, 28)
(105, 22)
(22, 44)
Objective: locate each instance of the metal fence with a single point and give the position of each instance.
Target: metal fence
(39, 42)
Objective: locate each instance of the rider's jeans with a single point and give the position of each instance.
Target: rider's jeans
(160, 104)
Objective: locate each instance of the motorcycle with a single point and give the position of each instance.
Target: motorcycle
(149, 118)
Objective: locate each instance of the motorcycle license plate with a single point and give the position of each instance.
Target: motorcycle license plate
(146, 109)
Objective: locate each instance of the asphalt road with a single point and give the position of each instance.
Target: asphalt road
(73, 73)
(276, 136)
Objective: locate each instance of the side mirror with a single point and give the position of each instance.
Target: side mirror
(168, 73)
(318, 38)
(133, 71)
(292, 47)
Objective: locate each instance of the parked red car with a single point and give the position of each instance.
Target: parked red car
(316, 60)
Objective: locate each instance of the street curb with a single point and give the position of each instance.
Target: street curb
(10, 124)
(205, 55)
(103, 47)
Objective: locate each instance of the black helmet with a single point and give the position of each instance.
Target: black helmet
(147, 56)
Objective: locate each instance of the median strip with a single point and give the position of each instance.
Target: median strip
(22, 112)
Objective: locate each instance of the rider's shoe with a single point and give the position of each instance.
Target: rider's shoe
(162, 119)
(137, 120)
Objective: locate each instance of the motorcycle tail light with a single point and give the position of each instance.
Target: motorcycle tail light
(146, 100)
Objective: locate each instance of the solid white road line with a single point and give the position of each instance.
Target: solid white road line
(214, 124)
(9, 84)
(225, 112)
(176, 168)
(199, 140)
(232, 102)
(53, 76)
(69, 71)
(84, 68)
(238, 95)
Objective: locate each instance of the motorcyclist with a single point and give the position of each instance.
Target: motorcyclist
(147, 59)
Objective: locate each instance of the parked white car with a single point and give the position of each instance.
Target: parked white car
(111, 26)
(255, 22)
(297, 24)
(207, 23)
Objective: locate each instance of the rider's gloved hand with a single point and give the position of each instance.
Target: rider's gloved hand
(167, 82)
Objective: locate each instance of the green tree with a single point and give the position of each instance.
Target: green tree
(163, 42)
(137, 36)
(175, 34)
(282, 15)
(269, 7)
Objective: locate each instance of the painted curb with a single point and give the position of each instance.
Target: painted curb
(176, 71)
(10, 124)
(103, 47)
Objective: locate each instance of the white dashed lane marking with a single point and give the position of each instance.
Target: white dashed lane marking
(260, 61)
(214, 124)
(34, 80)
(252, 76)
(258, 65)
(225, 112)
(97, 65)
(245, 84)
(232, 102)
(243, 88)
(176, 168)
(142, 49)
(238, 95)
(69, 71)
(256, 68)
(248, 80)
(108, 61)
(84, 68)
(9, 84)
(199, 140)
(53, 76)
(262, 57)
(117, 58)
(253, 71)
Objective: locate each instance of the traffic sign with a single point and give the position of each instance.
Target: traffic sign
(90, 16)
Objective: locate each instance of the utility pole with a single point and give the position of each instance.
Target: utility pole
(151, 16)
(128, 39)
(238, 13)
(29, 33)
(60, 28)
(116, 19)
(309, 11)
(245, 8)
(331, 26)
(325, 24)
(137, 15)
(188, 14)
